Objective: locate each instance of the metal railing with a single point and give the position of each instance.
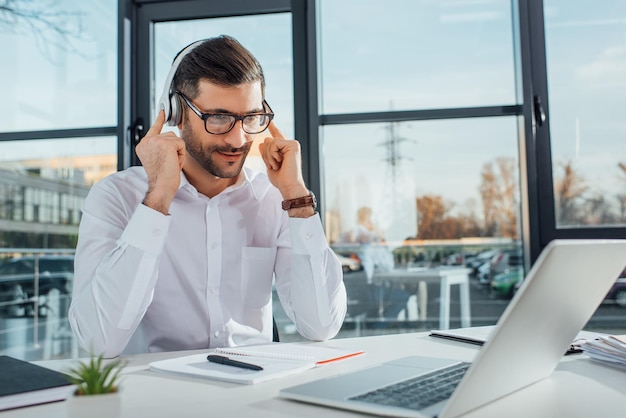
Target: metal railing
(35, 299)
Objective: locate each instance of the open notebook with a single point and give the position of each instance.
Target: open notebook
(560, 293)
(276, 359)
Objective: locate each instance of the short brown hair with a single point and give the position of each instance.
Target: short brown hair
(221, 60)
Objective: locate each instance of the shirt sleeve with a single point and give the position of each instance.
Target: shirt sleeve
(115, 271)
(309, 280)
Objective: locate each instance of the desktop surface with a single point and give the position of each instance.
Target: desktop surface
(578, 388)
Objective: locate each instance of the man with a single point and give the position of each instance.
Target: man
(180, 253)
(388, 299)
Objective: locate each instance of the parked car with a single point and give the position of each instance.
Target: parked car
(617, 293)
(506, 284)
(505, 261)
(350, 261)
(482, 273)
(17, 278)
(349, 264)
(455, 259)
(480, 259)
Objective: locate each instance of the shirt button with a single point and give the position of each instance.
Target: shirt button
(156, 232)
(214, 245)
(216, 334)
(308, 236)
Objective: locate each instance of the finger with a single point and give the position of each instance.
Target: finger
(274, 131)
(181, 155)
(157, 126)
(263, 149)
(269, 155)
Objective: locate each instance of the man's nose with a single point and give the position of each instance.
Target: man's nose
(236, 138)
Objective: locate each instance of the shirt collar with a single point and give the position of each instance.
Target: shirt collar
(245, 179)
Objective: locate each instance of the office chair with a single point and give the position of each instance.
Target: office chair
(275, 336)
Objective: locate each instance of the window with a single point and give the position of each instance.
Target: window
(467, 166)
(586, 66)
(58, 126)
(63, 75)
(408, 182)
(415, 55)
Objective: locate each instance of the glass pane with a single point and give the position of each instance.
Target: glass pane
(415, 54)
(586, 66)
(268, 37)
(421, 196)
(43, 184)
(54, 81)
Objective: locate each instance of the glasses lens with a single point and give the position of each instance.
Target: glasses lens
(218, 124)
(254, 124)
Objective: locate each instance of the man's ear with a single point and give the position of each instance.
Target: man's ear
(182, 112)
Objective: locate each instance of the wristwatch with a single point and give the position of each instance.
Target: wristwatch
(301, 202)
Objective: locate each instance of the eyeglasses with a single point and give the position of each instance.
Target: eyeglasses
(222, 123)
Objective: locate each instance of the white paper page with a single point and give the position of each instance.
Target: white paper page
(197, 365)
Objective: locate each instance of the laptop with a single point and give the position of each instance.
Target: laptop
(558, 296)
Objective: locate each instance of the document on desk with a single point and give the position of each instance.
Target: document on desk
(609, 349)
(471, 335)
(480, 335)
(275, 359)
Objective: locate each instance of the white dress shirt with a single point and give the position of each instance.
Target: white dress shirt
(202, 276)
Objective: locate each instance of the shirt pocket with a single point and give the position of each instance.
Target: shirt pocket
(257, 272)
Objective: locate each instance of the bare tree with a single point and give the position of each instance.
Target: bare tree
(435, 223)
(598, 211)
(508, 198)
(569, 191)
(498, 190)
(621, 197)
(472, 227)
(431, 212)
(49, 24)
(488, 193)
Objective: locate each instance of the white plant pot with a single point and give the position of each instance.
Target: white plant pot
(94, 406)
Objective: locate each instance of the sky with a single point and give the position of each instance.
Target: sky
(415, 54)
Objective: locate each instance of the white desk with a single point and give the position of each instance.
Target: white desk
(446, 277)
(578, 388)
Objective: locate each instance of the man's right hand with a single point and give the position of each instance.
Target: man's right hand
(162, 156)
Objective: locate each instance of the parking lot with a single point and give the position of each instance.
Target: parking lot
(47, 334)
(486, 309)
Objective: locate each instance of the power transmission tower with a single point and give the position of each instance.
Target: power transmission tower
(394, 156)
(400, 212)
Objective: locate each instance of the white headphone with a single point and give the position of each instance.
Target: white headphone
(168, 102)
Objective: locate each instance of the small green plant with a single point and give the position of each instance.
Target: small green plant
(96, 378)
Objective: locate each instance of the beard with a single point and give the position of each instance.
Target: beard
(204, 155)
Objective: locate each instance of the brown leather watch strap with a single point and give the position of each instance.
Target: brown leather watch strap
(300, 202)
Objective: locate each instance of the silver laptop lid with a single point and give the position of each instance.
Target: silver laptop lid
(559, 295)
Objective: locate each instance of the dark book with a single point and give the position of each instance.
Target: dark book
(23, 383)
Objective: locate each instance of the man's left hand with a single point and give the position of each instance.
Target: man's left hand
(283, 160)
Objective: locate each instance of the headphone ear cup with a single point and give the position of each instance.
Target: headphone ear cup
(169, 100)
(175, 110)
(164, 104)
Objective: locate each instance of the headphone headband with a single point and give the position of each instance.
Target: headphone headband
(168, 102)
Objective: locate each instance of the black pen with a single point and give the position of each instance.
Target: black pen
(214, 358)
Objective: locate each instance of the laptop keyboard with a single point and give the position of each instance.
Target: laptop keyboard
(419, 392)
